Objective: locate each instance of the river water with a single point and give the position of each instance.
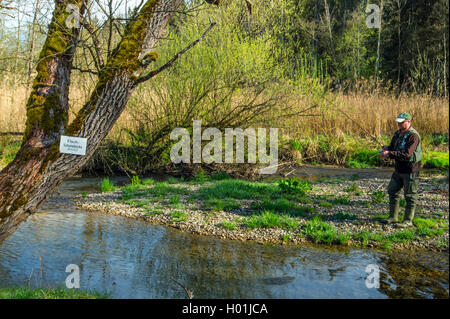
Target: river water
(134, 259)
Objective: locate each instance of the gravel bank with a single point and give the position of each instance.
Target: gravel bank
(434, 202)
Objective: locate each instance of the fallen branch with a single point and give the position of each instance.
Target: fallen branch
(189, 293)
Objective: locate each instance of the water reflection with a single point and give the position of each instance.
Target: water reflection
(133, 259)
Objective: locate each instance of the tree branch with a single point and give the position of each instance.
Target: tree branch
(172, 61)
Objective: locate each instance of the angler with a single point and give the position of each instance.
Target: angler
(406, 150)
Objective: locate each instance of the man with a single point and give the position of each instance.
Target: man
(406, 150)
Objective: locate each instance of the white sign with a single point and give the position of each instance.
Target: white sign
(73, 145)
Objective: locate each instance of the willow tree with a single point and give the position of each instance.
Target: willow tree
(39, 167)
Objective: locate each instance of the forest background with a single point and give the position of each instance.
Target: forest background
(312, 68)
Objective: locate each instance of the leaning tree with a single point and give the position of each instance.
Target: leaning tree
(39, 167)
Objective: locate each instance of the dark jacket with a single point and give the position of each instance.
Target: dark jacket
(402, 155)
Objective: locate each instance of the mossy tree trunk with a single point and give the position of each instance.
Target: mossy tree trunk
(39, 168)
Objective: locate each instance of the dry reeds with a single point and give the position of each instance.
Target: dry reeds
(374, 112)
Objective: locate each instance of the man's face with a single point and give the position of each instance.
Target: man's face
(403, 126)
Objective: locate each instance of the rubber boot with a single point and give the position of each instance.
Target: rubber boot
(409, 215)
(393, 213)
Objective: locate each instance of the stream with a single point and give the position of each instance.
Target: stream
(128, 258)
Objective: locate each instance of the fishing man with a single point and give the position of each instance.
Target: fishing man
(406, 150)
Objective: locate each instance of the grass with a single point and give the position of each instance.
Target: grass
(319, 231)
(342, 200)
(352, 188)
(325, 204)
(107, 186)
(179, 216)
(344, 238)
(48, 293)
(228, 225)
(433, 159)
(344, 216)
(378, 196)
(226, 204)
(283, 206)
(294, 186)
(236, 189)
(148, 181)
(153, 212)
(274, 207)
(268, 219)
(159, 189)
(8, 152)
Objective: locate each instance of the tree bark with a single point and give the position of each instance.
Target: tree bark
(39, 168)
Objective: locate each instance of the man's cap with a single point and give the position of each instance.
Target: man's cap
(403, 116)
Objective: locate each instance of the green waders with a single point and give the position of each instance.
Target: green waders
(409, 183)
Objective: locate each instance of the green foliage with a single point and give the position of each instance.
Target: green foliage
(179, 216)
(226, 204)
(342, 200)
(344, 238)
(344, 216)
(378, 196)
(135, 181)
(294, 186)
(228, 225)
(268, 219)
(200, 176)
(319, 231)
(107, 186)
(148, 181)
(8, 152)
(172, 180)
(436, 159)
(175, 199)
(236, 189)
(364, 159)
(219, 176)
(352, 188)
(48, 293)
(325, 204)
(283, 206)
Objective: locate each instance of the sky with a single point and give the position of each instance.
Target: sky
(25, 8)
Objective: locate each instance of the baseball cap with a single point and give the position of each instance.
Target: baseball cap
(403, 116)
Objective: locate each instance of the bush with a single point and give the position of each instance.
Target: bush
(435, 159)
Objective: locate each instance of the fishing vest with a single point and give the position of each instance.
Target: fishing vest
(399, 143)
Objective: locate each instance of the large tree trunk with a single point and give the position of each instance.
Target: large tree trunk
(39, 168)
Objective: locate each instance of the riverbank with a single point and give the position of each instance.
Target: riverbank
(331, 211)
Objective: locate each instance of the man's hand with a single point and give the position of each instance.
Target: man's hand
(384, 154)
